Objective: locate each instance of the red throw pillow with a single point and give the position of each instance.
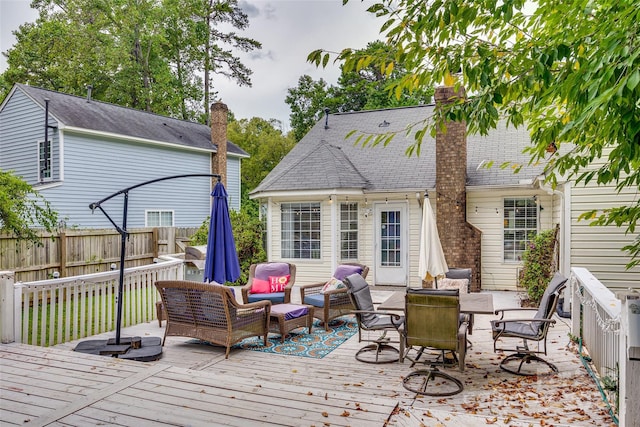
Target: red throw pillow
(278, 283)
(260, 286)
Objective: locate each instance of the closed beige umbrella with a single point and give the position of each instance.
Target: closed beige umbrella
(432, 264)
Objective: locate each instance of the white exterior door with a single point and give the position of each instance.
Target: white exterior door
(391, 226)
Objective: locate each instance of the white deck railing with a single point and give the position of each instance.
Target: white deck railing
(596, 320)
(50, 312)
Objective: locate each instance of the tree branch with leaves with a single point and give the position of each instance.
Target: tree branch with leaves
(22, 209)
(568, 71)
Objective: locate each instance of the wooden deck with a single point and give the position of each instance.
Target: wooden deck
(194, 385)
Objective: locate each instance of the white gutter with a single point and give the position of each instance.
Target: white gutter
(121, 137)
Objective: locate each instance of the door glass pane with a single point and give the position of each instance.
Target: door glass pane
(390, 242)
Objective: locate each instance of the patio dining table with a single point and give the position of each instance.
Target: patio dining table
(472, 303)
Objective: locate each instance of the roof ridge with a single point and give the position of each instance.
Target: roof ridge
(348, 160)
(344, 113)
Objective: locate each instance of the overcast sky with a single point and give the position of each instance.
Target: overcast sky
(288, 30)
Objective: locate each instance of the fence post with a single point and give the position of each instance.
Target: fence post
(7, 315)
(62, 241)
(629, 370)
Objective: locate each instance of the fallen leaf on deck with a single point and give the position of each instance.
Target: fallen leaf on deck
(345, 414)
(491, 421)
(325, 414)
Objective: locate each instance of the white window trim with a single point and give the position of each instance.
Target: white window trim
(42, 179)
(320, 207)
(357, 231)
(537, 229)
(160, 212)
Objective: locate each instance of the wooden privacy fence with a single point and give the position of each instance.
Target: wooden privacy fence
(54, 311)
(76, 252)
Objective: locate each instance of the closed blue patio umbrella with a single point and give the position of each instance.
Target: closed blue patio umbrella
(221, 262)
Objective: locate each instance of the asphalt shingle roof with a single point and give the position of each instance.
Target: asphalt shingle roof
(100, 116)
(324, 159)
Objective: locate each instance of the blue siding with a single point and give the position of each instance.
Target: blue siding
(21, 127)
(233, 182)
(97, 167)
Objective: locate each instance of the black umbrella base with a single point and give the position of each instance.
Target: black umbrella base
(145, 349)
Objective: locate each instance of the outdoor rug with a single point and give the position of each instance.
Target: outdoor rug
(299, 343)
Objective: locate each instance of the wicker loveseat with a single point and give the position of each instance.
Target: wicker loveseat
(210, 312)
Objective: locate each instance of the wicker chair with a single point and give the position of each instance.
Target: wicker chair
(533, 329)
(209, 312)
(433, 321)
(333, 303)
(263, 271)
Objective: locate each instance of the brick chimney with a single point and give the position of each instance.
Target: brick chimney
(219, 113)
(461, 241)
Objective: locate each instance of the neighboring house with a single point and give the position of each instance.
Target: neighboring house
(331, 201)
(95, 149)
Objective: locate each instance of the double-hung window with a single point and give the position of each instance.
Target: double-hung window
(158, 218)
(520, 226)
(300, 230)
(348, 231)
(44, 161)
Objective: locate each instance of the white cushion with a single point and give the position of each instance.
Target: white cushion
(460, 284)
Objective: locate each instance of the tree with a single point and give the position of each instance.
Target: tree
(216, 14)
(143, 54)
(370, 87)
(264, 142)
(307, 102)
(568, 71)
(367, 88)
(22, 208)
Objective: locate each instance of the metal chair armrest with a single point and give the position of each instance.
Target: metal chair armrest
(395, 317)
(501, 311)
(530, 320)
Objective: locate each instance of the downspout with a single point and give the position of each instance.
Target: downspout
(269, 227)
(333, 206)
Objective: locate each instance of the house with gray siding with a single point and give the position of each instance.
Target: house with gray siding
(94, 149)
(332, 200)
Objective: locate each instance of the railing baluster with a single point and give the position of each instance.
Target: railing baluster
(52, 315)
(67, 315)
(60, 302)
(34, 321)
(90, 295)
(83, 310)
(103, 306)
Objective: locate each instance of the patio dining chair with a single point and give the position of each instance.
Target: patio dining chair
(331, 302)
(531, 329)
(433, 322)
(371, 320)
